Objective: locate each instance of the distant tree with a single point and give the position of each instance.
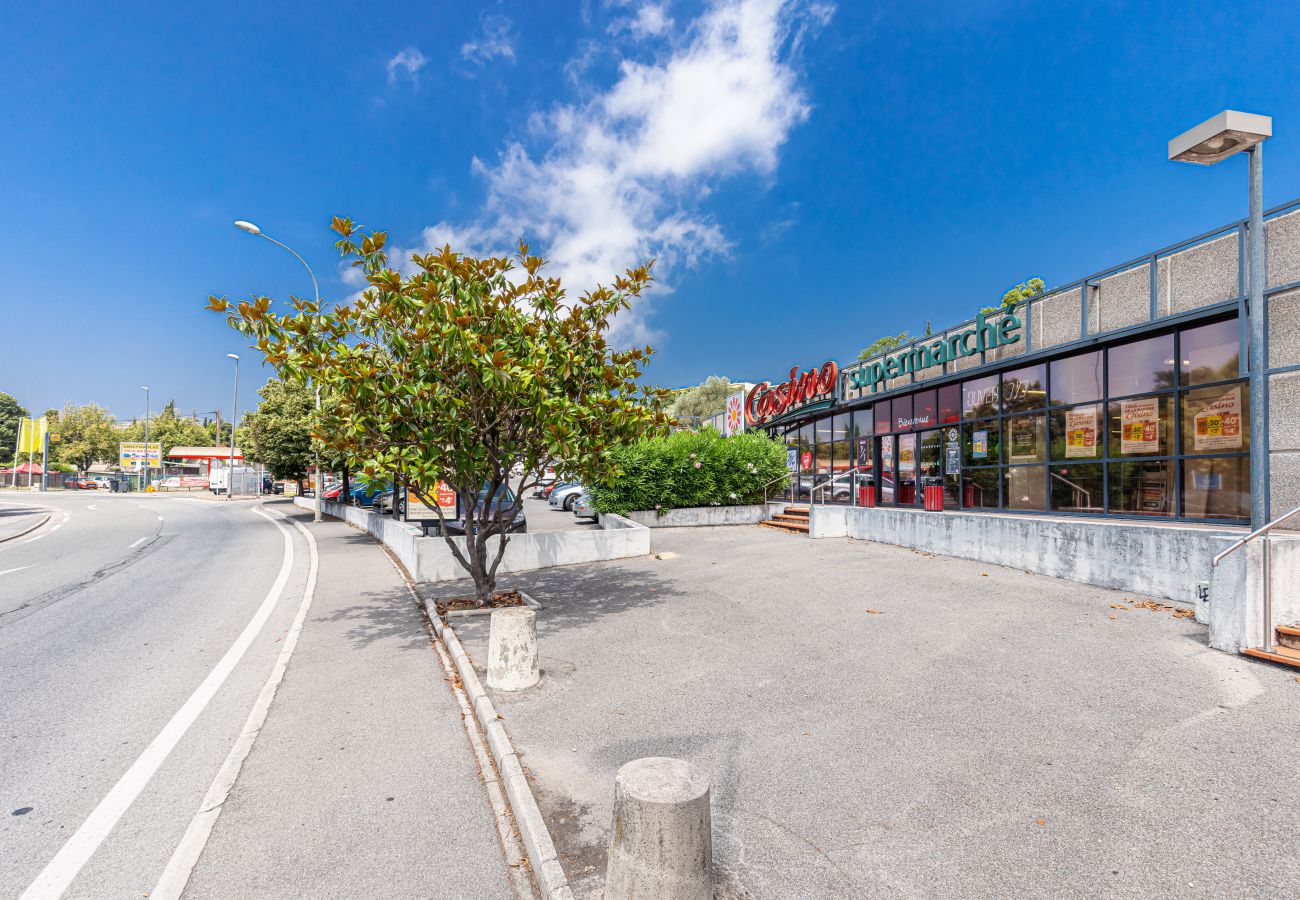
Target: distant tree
(888, 342)
(1026, 290)
(279, 432)
(703, 400)
(10, 415)
(86, 436)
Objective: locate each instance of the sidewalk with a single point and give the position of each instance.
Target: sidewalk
(362, 782)
(883, 723)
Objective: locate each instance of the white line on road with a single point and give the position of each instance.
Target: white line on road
(91, 506)
(139, 542)
(56, 877)
(37, 538)
(19, 569)
(179, 868)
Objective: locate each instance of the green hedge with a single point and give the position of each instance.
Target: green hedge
(691, 468)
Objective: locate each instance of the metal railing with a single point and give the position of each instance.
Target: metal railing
(812, 493)
(786, 478)
(1267, 574)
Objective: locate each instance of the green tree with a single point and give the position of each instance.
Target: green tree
(86, 436)
(279, 432)
(1026, 290)
(10, 415)
(703, 400)
(462, 371)
(888, 342)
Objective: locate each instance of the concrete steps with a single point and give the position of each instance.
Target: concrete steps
(792, 519)
(1286, 650)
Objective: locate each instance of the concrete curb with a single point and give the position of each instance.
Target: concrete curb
(27, 530)
(532, 827)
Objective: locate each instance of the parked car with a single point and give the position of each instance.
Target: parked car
(564, 497)
(268, 486)
(103, 481)
(171, 481)
(73, 483)
(505, 497)
(582, 507)
(360, 495)
(543, 487)
(333, 492)
(555, 486)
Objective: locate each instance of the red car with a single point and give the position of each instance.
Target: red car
(83, 484)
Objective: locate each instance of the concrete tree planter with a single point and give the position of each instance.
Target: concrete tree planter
(529, 603)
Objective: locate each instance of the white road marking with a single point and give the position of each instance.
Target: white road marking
(179, 868)
(139, 542)
(37, 538)
(19, 569)
(58, 875)
(60, 525)
(160, 518)
(91, 506)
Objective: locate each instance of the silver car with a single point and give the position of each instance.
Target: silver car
(583, 508)
(564, 497)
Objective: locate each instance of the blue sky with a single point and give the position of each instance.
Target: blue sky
(810, 175)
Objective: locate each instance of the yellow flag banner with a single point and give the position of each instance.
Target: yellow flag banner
(31, 434)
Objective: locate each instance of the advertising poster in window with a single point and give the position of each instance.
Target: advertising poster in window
(1154, 487)
(952, 454)
(1024, 439)
(887, 454)
(1218, 426)
(1139, 426)
(906, 454)
(1081, 432)
(791, 458)
(863, 455)
(979, 444)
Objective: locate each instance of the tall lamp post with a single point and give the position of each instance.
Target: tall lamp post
(234, 417)
(145, 388)
(1214, 140)
(253, 229)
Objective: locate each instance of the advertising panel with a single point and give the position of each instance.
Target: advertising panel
(733, 418)
(132, 456)
(1081, 433)
(979, 444)
(1139, 426)
(1218, 425)
(1024, 439)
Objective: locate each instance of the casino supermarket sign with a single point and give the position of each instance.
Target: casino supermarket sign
(766, 401)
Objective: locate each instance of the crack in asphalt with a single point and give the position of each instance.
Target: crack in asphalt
(63, 592)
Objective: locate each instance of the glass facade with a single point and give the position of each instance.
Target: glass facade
(1157, 426)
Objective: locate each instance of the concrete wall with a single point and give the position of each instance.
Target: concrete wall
(1167, 561)
(701, 515)
(429, 559)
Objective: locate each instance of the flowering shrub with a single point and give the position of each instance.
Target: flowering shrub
(690, 468)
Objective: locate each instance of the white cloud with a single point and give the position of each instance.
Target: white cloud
(497, 40)
(651, 20)
(626, 171)
(410, 61)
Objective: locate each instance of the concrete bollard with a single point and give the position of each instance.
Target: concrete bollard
(512, 650)
(662, 842)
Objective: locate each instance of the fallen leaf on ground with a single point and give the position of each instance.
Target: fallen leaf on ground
(1040, 821)
(1184, 613)
(1113, 616)
(984, 574)
(1118, 606)
(874, 612)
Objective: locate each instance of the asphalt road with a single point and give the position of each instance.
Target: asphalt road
(156, 739)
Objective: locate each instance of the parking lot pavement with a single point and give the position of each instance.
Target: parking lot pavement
(542, 517)
(881, 722)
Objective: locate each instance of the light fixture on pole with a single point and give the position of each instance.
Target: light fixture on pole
(145, 388)
(234, 417)
(250, 228)
(1214, 140)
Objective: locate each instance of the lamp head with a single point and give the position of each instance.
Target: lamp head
(1216, 139)
(248, 226)
(234, 356)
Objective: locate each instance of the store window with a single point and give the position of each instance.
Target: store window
(980, 443)
(1076, 379)
(902, 413)
(1077, 488)
(950, 403)
(1076, 432)
(863, 422)
(842, 447)
(1217, 488)
(883, 417)
(1210, 353)
(1217, 419)
(979, 397)
(1141, 367)
(1025, 439)
(980, 488)
(923, 410)
(1024, 389)
(1026, 488)
(1139, 426)
(1142, 488)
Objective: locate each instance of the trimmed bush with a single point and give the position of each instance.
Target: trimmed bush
(691, 468)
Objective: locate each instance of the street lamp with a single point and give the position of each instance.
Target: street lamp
(234, 417)
(145, 388)
(250, 228)
(1229, 133)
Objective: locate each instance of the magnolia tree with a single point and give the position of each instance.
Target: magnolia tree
(463, 372)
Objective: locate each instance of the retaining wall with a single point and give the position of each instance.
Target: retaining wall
(429, 559)
(700, 515)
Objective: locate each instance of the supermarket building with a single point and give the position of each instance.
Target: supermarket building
(1100, 431)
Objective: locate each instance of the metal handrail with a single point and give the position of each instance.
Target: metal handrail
(825, 484)
(1087, 495)
(1267, 574)
(1237, 545)
(785, 477)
